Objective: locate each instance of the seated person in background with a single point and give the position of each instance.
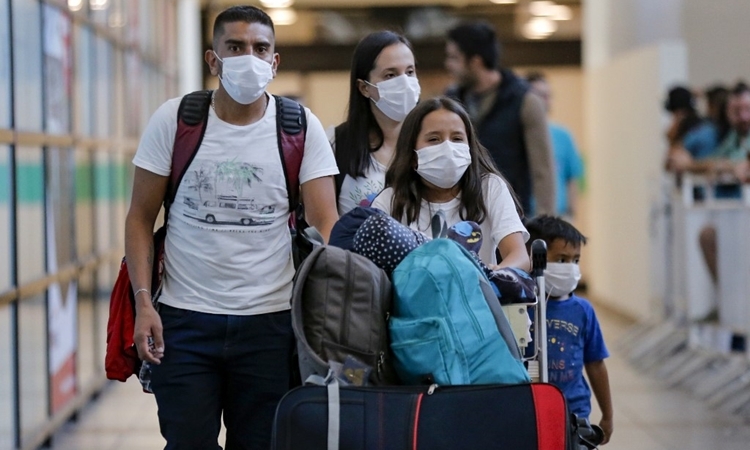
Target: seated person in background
(688, 132)
(732, 150)
(439, 166)
(716, 109)
(574, 339)
(729, 160)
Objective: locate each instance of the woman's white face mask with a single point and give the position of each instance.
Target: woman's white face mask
(398, 96)
(443, 164)
(245, 77)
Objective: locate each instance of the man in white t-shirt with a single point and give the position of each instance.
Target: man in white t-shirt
(222, 336)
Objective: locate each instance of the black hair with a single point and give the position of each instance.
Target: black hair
(477, 39)
(680, 98)
(354, 137)
(716, 97)
(549, 228)
(240, 13)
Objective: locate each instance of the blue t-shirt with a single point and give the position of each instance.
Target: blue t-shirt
(702, 140)
(568, 161)
(573, 340)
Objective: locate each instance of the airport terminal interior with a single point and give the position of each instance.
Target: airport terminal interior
(666, 266)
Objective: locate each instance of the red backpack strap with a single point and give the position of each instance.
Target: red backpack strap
(291, 128)
(192, 118)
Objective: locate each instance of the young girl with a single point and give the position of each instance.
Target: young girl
(439, 166)
(383, 89)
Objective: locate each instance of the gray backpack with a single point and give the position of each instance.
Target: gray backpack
(340, 307)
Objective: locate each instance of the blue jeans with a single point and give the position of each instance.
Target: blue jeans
(217, 364)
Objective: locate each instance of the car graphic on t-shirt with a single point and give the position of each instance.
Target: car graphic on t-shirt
(227, 210)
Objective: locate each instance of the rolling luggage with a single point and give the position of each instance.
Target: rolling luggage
(519, 417)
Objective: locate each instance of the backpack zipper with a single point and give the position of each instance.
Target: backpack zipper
(467, 307)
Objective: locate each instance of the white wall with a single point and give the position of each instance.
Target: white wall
(624, 135)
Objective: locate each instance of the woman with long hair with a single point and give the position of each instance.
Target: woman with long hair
(383, 89)
(439, 165)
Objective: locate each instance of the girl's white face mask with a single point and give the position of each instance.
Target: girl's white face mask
(245, 77)
(444, 164)
(561, 278)
(398, 96)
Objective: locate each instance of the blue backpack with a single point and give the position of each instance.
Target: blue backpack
(447, 325)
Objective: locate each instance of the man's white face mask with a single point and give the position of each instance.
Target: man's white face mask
(245, 77)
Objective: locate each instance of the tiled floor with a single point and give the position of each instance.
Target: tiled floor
(647, 415)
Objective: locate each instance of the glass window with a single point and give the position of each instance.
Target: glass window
(104, 79)
(5, 65)
(6, 261)
(27, 65)
(7, 422)
(30, 220)
(84, 210)
(83, 82)
(33, 376)
(57, 70)
(89, 360)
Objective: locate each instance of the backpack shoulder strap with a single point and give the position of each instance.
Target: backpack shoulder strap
(192, 118)
(291, 129)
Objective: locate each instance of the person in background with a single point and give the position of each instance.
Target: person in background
(222, 336)
(729, 162)
(688, 134)
(383, 89)
(509, 118)
(567, 159)
(439, 168)
(574, 339)
(716, 109)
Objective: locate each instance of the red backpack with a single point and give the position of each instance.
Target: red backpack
(121, 359)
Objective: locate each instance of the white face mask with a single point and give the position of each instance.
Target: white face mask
(398, 96)
(561, 279)
(245, 77)
(444, 164)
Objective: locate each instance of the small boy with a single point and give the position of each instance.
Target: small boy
(574, 339)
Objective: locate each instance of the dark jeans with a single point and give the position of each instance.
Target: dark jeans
(217, 364)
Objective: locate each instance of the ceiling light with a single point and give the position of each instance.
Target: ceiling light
(277, 3)
(75, 5)
(561, 12)
(283, 16)
(98, 5)
(503, 2)
(539, 28)
(542, 8)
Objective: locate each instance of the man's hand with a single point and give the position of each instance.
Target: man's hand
(148, 325)
(606, 426)
(679, 160)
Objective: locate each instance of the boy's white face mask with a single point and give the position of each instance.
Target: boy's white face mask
(245, 77)
(398, 96)
(561, 279)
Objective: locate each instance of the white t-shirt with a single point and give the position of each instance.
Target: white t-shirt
(502, 218)
(228, 246)
(360, 191)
